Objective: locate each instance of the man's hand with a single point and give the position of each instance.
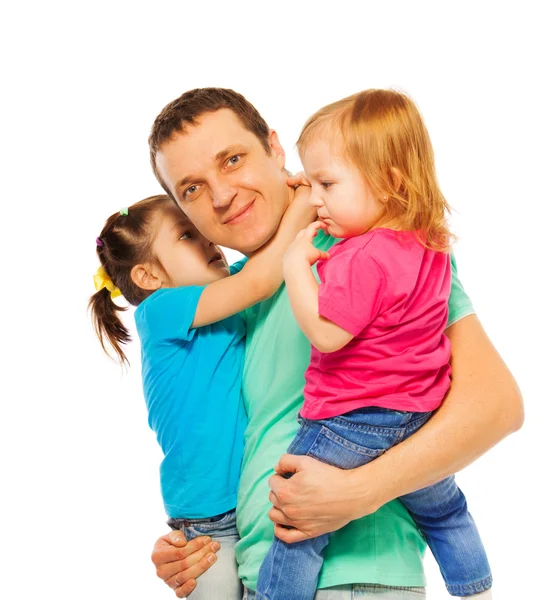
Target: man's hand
(483, 406)
(179, 563)
(317, 499)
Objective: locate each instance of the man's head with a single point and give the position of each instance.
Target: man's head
(216, 157)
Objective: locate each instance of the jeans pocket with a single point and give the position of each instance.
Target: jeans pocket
(333, 449)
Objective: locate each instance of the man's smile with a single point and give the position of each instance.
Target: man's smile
(239, 214)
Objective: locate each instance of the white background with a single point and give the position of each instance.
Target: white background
(82, 83)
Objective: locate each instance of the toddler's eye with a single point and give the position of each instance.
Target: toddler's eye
(326, 184)
(185, 236)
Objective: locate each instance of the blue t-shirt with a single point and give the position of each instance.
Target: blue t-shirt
(192, 388)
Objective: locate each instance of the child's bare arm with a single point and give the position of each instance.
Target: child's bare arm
(303, 289)
(261, 275)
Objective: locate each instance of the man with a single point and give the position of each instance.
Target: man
(216, 157)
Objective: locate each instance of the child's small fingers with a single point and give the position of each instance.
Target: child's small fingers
(297, 179)
(314, 227)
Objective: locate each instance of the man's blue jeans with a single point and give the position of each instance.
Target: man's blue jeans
(290, 571)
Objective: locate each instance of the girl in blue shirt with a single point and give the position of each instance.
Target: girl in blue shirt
(192, 345)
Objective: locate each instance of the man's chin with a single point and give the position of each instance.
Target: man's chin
(249, 243)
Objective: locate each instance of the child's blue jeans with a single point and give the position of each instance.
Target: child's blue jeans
(290, 571)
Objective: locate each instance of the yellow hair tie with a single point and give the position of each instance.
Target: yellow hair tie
(102, 280)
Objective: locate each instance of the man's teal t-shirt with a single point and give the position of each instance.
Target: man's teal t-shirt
(192, 388)
(384, 548)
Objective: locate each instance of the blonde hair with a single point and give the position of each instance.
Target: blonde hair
(385, 137)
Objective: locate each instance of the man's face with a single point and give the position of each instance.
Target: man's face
(224, 181)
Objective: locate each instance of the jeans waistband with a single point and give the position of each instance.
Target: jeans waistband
(188, 522)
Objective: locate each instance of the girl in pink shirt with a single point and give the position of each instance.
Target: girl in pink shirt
(380, 359)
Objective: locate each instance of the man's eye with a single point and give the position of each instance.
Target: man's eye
(190, 190)
(233, 160)
(185, 236)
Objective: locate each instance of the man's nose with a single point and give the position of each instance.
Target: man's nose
(222, 193)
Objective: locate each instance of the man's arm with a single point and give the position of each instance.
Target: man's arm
(483, 406)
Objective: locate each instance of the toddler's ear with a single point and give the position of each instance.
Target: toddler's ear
(146, 277)
(396, 176)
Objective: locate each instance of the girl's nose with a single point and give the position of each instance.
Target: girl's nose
(315, 200)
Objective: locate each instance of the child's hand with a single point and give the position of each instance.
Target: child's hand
(301, 200)
(302, 251)
(297, 180)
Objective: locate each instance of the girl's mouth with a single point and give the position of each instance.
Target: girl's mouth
(217, 256)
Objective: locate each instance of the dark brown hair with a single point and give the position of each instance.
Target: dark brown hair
(124, 242)
(186, 109)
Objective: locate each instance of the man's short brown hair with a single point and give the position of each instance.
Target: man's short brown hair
(189, 106)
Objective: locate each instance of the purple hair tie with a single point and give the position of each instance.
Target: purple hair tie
(99, 242)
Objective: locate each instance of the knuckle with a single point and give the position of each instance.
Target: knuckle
(290, 512)
(160, 573)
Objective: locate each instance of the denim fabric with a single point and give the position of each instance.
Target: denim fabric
(221, 579)
(290, 572)
(357, 591)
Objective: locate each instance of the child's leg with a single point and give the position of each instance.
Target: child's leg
(441, 513)
(221, 579)
(290, 571)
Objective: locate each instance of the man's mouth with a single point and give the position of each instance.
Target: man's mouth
(239, 215)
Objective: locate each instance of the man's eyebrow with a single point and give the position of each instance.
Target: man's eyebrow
(233, 149)
(183, 181)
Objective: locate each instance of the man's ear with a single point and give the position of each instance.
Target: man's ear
(277, 148)
(146, 277)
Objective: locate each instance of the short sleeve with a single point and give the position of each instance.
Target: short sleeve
(237, 266)
(352, 289)
(168, 313)
(459, 304)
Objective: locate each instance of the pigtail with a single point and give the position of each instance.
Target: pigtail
(108, 326)
(124, 241)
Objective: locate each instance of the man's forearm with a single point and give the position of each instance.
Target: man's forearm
(484, 405)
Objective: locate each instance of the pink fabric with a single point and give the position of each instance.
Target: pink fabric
(392, 294)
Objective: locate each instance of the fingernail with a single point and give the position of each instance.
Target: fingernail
(207, 539)
(215, 546)
(211, 558)
(177, 539)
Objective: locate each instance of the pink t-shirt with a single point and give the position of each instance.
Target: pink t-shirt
(392, 294)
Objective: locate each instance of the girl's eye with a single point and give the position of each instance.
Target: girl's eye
(190, 190)
(185, 236)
